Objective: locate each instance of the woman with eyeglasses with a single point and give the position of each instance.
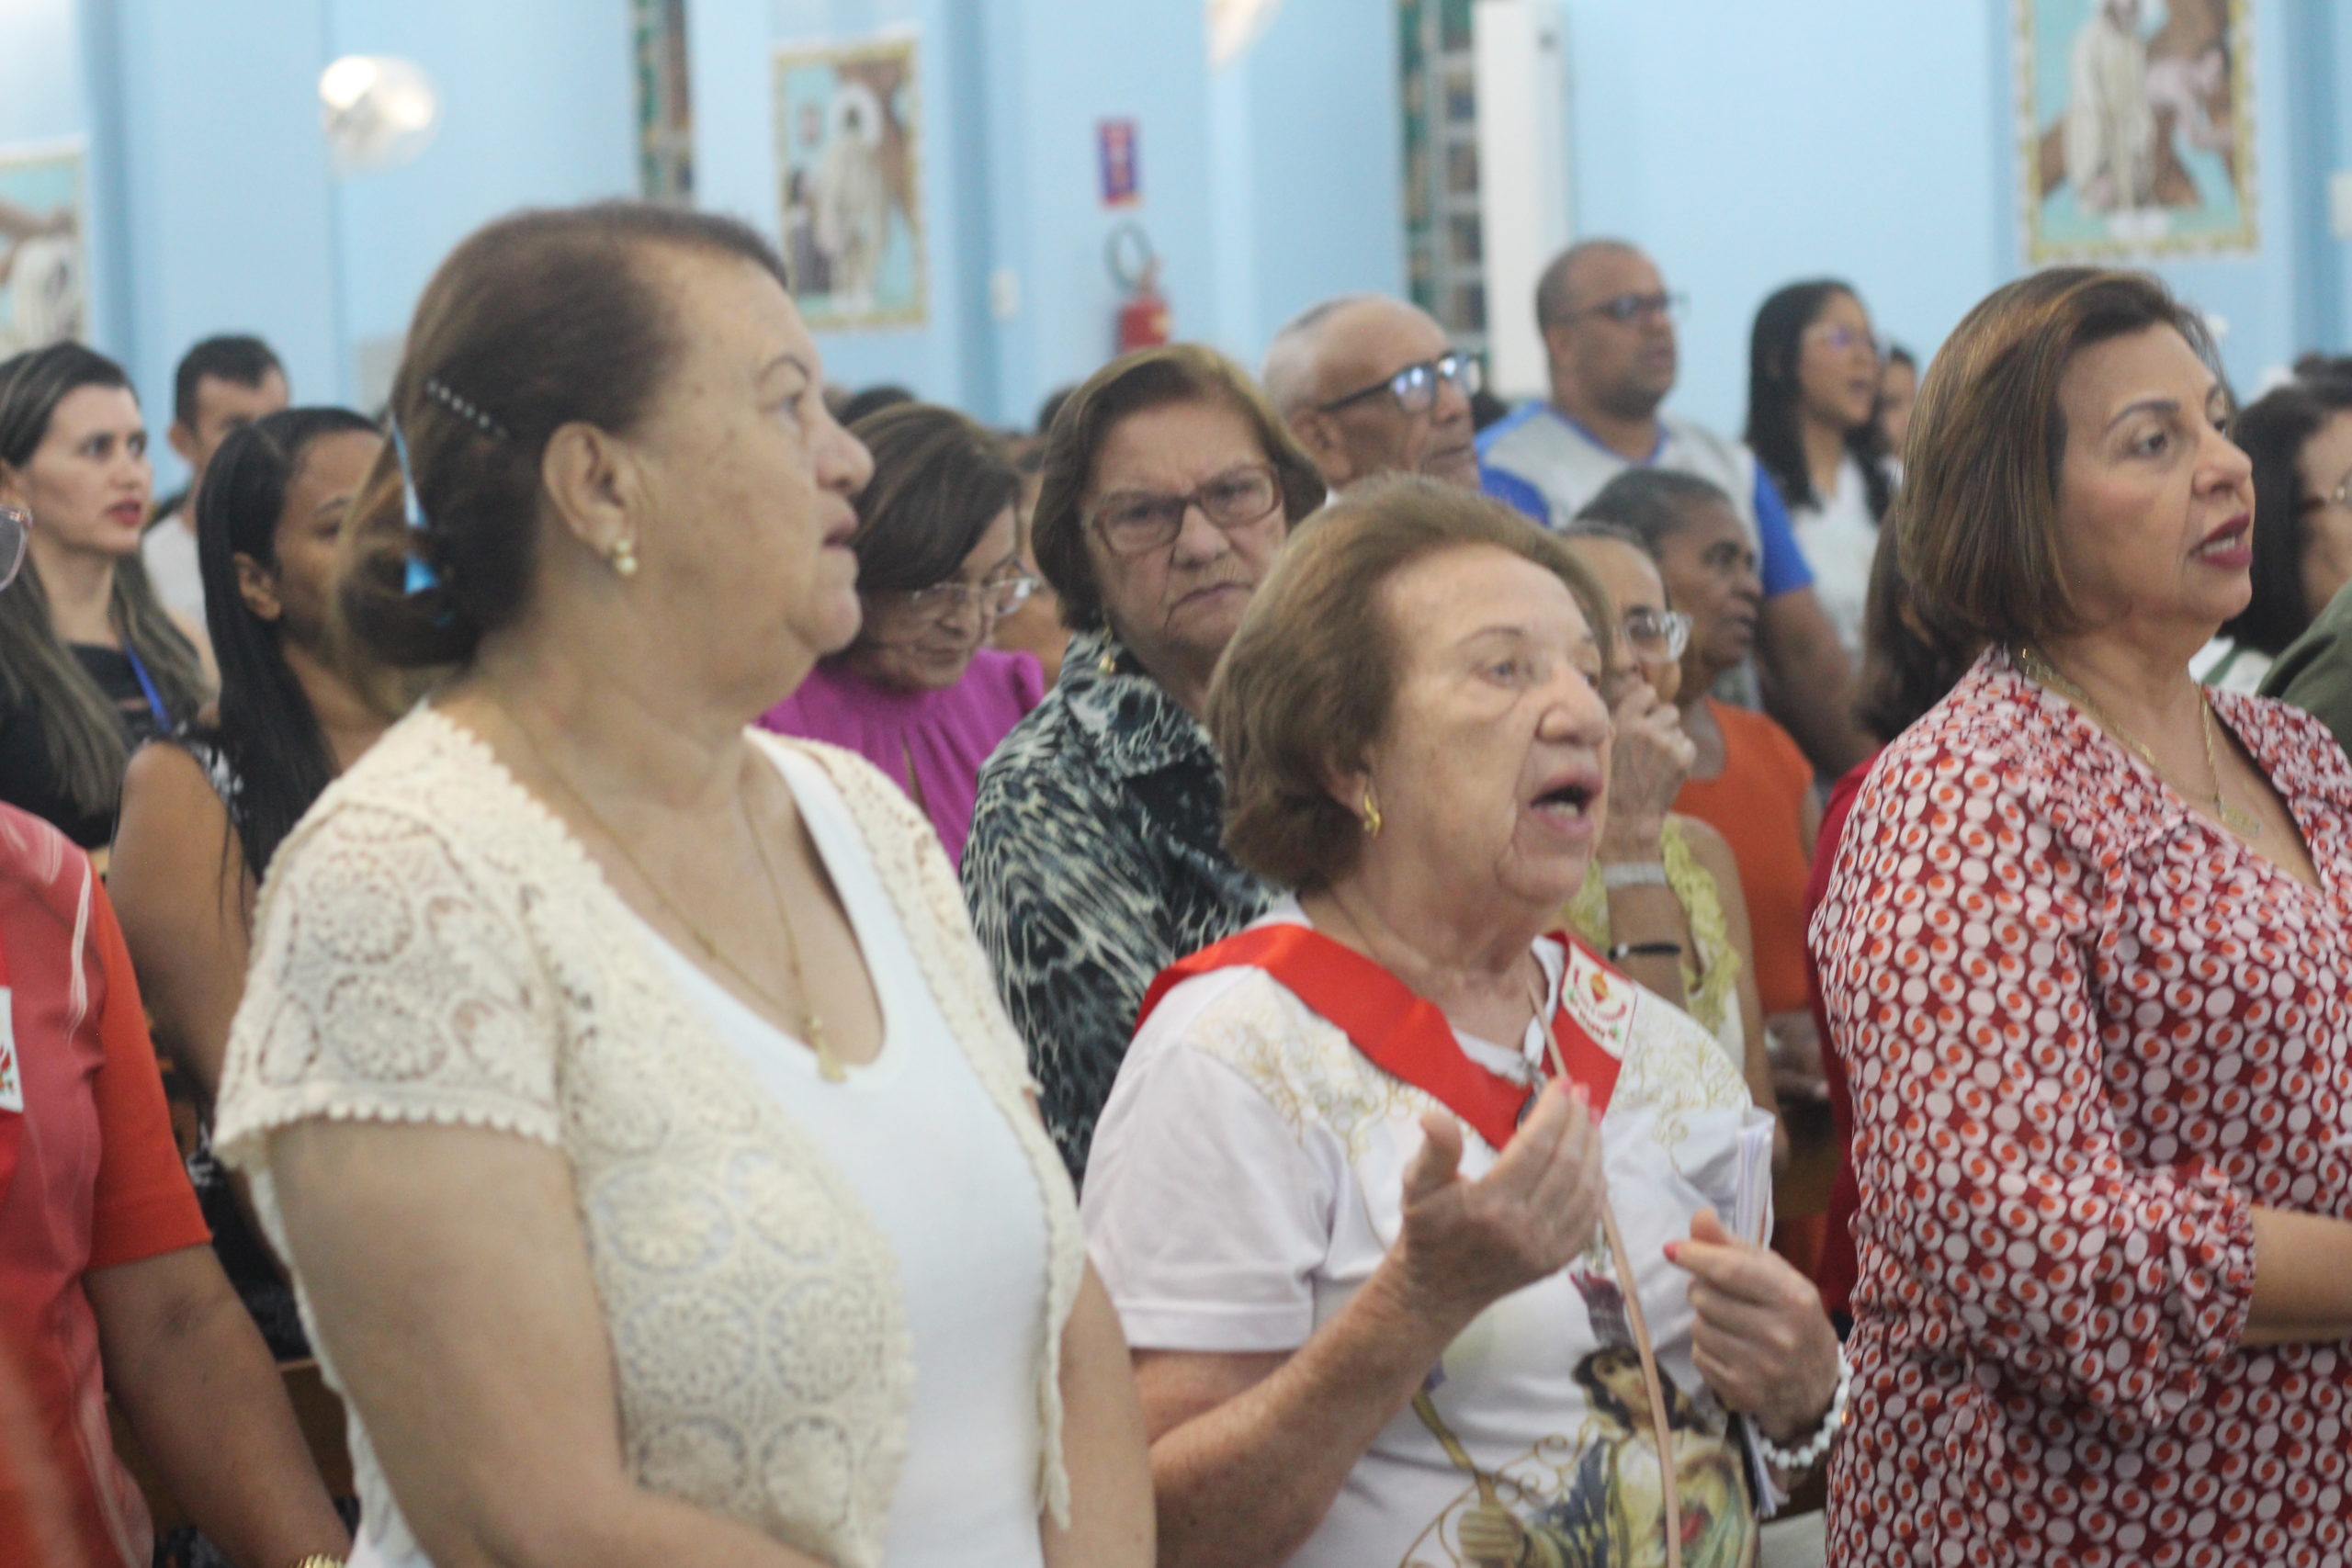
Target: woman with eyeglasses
(920, 694)
(2300, 438)
(1664, 902)
(1749, 780)
(1096, 857)
(91, 663)
(1813, 375)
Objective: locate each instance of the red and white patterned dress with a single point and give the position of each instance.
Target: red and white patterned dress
(2087, 1033)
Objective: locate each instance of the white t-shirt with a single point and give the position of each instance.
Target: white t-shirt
(1246, 1178)
(168, 552)
(931, 1156)
(2228, 665)
(1840, 539)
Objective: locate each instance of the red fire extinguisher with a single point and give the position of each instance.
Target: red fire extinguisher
(1143, 320)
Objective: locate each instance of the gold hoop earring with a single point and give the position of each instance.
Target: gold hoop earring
(1371, 814)
(622, 554)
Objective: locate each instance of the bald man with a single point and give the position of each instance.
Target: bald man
(1370, 385)
(1612, 353)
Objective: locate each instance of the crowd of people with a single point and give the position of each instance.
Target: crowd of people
(1277, 970)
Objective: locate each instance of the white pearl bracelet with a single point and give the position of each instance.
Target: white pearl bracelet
(1796, 1461)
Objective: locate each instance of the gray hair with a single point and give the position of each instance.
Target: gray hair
(1292, 375)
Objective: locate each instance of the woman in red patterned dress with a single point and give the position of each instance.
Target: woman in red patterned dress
(2084, 951)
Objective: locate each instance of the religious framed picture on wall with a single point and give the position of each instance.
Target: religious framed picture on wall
(848, 140)
(44, 245)
(2135, 127)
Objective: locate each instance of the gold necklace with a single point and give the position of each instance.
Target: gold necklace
(812, 1027)
(2236, 819)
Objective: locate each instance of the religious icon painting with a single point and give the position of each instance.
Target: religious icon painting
(848, 139)
(44, 245)
(2135, 127)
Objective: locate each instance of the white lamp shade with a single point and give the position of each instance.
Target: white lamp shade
(378, 111)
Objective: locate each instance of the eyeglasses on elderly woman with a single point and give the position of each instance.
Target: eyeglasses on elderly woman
(1657, 635)
(997, 597)
(1138, 522)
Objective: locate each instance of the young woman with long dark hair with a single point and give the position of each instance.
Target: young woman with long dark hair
(1813, 387)
(91, 663)
(204, 812)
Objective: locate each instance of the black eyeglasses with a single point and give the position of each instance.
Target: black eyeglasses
(1415, 387)
(1627, 309)
(1135, 522)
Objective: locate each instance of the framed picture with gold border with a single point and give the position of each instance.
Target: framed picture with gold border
(849, 166)
(2135, 128)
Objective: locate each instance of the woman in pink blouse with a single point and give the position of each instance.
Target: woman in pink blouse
(2083, 952)
(938, 550)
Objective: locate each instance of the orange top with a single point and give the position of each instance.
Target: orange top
(1757, 804)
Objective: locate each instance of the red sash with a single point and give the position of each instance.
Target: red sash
(1406, 1037)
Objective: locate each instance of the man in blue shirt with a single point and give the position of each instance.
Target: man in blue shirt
(1608, 325)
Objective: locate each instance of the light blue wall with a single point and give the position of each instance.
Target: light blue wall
(536, 110)
(1744, 150)
(732, 50)
(1307, 157)
(226, 195)
(1055, 68)
(1744, 145)
(1749, 145)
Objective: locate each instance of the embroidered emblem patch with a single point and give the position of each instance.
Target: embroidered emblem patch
(1599, 1001)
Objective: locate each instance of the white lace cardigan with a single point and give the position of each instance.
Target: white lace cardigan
(434, 946)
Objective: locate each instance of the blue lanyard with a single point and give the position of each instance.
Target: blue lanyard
(147, 684)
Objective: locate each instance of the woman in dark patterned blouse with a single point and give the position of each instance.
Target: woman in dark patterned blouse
(1094, 859)
(2083, 953)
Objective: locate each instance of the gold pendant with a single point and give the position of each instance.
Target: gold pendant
(828, 1067)
(2239, 820)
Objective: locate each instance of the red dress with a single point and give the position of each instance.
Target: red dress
(2087, 1032)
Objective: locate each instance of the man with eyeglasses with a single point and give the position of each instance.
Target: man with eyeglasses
(1369, 385)
(1608, 326)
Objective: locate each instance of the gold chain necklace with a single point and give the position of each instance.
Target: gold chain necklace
(812, 1027)
(2236, 819)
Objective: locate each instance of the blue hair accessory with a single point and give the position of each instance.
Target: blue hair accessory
(422, 578)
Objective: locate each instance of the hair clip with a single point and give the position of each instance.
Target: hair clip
(421, 578)
(439, 392)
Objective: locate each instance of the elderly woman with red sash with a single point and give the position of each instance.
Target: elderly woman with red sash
(1432, 1234)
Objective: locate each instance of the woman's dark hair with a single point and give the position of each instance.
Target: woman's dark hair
(1979, 516)
(268, 733)
(2273, 430)
(1648, 506)
(1153, 378)
(1907, 669)
(872, 400)
(939, 481)
(82, 731)
(1775, 398)
(535, 321)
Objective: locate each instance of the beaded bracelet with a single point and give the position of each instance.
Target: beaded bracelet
(1795, 1461)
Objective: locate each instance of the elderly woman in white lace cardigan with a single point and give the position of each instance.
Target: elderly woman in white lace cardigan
(655, 1163)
